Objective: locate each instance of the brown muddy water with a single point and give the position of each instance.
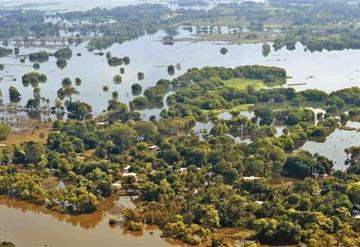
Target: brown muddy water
(29, 225)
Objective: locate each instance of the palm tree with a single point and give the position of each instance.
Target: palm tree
(69, 91)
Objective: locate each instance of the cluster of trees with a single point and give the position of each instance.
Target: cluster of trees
(317, 24)
(5, 52)
(193, 187)
(33, 79)
(41, 56)
(4, 131)
(197, 82)
(63, 55)
(115, 61)
(199, 91)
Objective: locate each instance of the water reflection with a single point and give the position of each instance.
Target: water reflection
(334, 145)
(150, 56)
(31, 225)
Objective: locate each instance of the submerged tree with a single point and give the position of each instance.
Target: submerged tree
(266, 49)
(14, 95)
(223, 50)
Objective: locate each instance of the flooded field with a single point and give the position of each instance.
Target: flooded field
(148, 55)
(29, 225)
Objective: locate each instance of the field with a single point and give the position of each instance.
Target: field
(242, 84)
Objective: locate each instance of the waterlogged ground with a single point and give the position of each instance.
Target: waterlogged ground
(29, 225)
(332, 146)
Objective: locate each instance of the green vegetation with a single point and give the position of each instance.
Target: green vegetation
(41, 56)
(192, 187)
(214, 88)
(243, 84)
(117, 79)
(318, 25)
(14, 95)
(33, 79)
(223, 50)
(61, 63)
(4, 131)
(36, 66)
(5, 52)
(136, 88)
(63, 53)
(7, 244)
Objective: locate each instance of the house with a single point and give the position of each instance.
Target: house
(117, 185)
(130, 174)
(259, 202)
(182, 170)
(102, 123)
(251, 178)
(154, 148)
(126, 169)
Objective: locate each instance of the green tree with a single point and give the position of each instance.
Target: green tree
(210, 217)
(14, 95)
(4, 131)
(34, 152)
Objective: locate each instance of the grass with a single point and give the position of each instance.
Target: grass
(244, 107)
(38, 135)
(241, 84)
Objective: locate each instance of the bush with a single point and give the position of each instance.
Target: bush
(4, 131)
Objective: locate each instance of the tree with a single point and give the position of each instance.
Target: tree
(210, 217)
(61, 63)
(63, 54)
(66, 82)
(79, 200)
(41, 56)
(353, 190)
(223, 50)
(69, 91)
(4, 131)
(266, 49)
(33, 79)
(136, 89)
(14, 95)
(34, 152)
(117, 79)
(265, 114)
(270, 231)
(140, 76)
(146, 130)
(299, 166)
(122, 136)
(171, 69)
(77, 81)
(79, 110)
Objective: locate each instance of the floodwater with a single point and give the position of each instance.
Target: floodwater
(325, 70)
(333, 147)
(29, 225)
(71, 5)
(83, 5)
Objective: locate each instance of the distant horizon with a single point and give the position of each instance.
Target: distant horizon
(78, 5)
